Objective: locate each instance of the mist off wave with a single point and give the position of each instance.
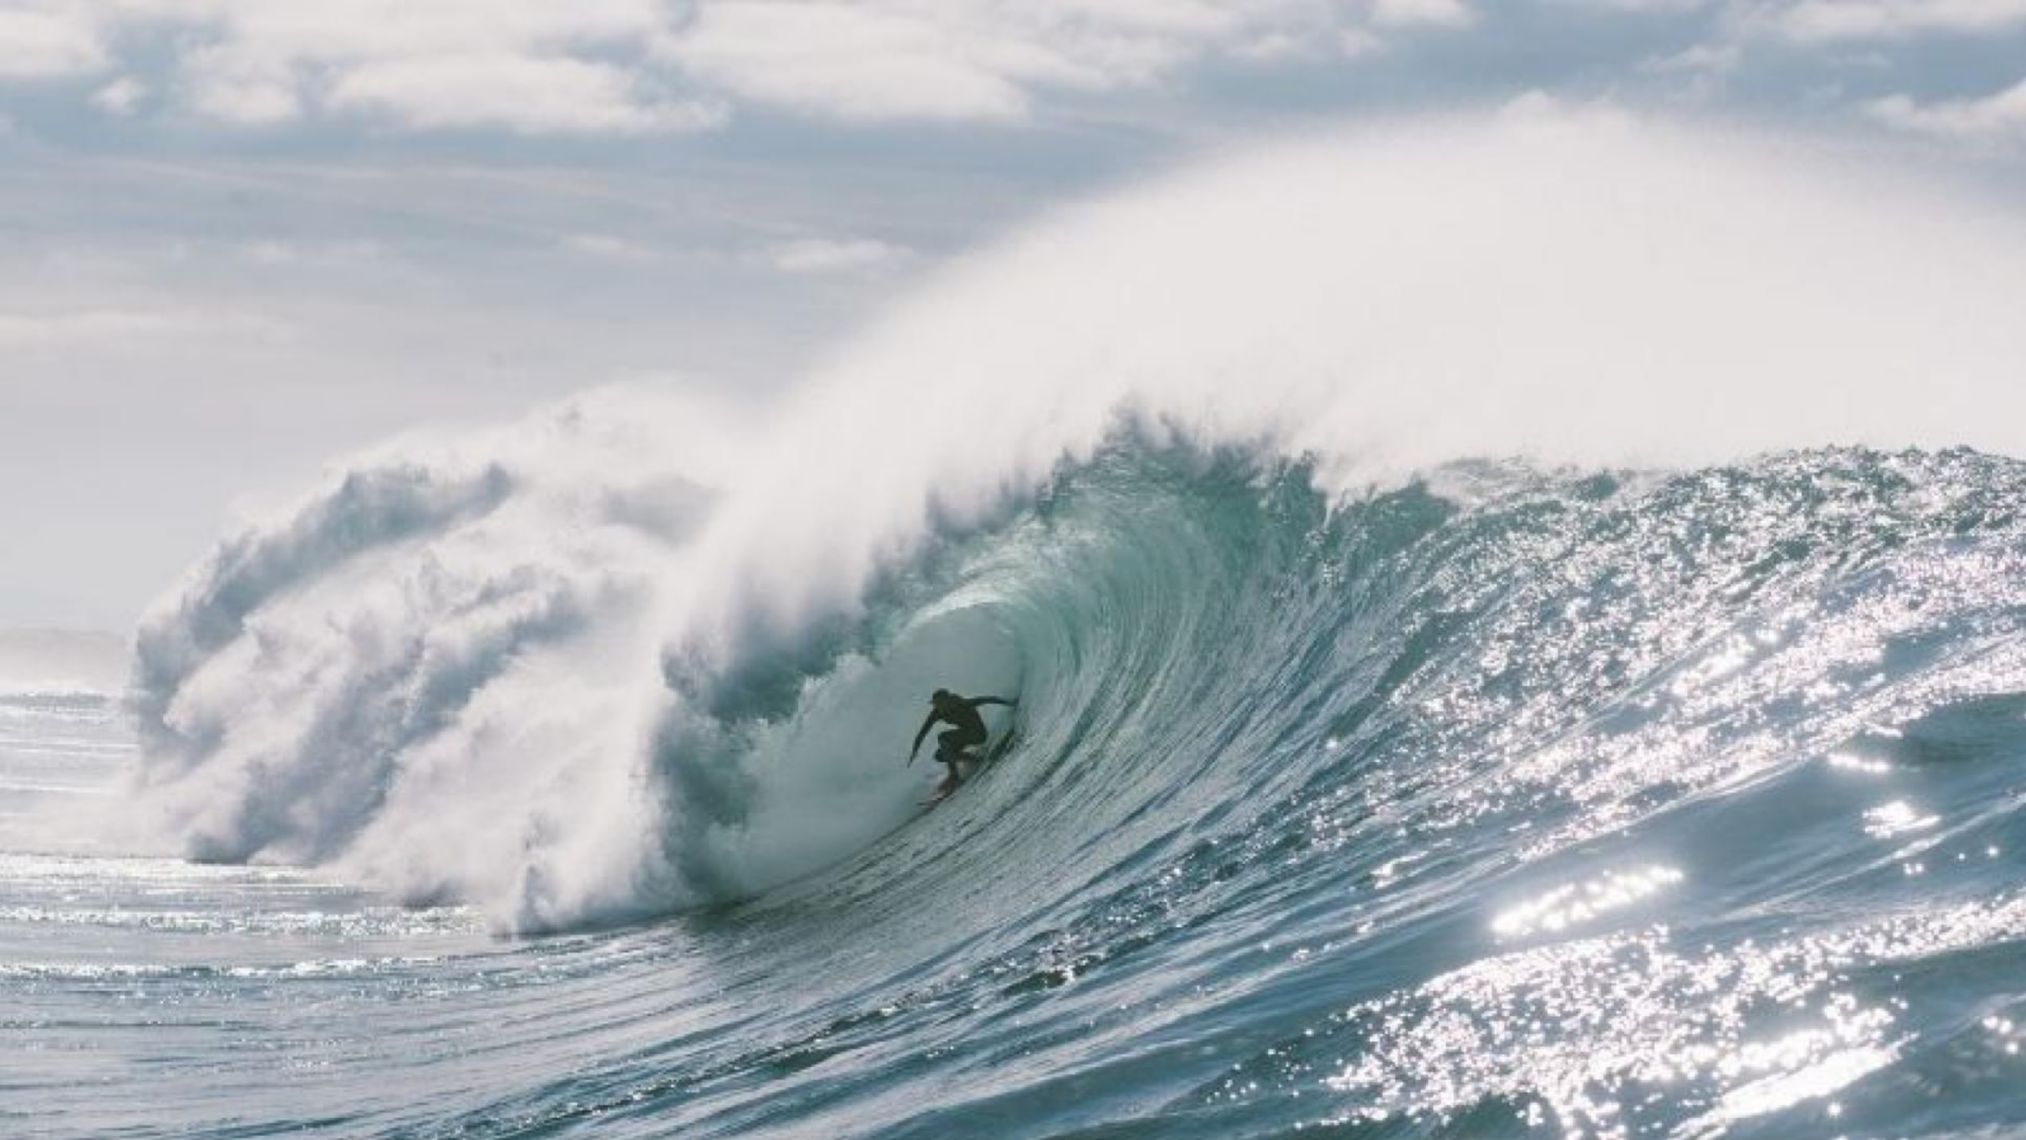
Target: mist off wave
(638, 654)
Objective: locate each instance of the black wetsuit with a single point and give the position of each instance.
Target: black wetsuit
(969, 730)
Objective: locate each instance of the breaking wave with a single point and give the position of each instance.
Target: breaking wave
(1396, 475)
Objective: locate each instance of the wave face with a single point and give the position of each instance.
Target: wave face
(1626, 805)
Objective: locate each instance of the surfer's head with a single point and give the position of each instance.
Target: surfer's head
(940, 696)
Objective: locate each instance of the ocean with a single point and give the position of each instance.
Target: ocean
(1613, 805)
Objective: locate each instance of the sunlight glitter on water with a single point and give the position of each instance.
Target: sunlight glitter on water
(1896, 818)
(1584, 1028)
(1573, 903)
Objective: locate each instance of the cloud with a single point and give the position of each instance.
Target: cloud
(1702, 71)
(241, 87)
(514, 65)
(49, 43)
(521, 65)
(605, 247)
(517, 93)
(967, 59)
(857, 63)
(1991, 118)
(1358, 43)
(621, 67)
(120, 97)
(1641, 5)
(1702, 59)
(1824, 20)
(1278, 47)
(640, 67)
(973, 60)
(95, 327)
(1422, 13)
(828, 255)
(38, 330)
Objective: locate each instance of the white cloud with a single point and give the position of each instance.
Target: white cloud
(235, 85)
(271, 252)
(605, 247)
(1422, 13)
(518, 93)
(634, 66)
(523, 65)
(507, 64)
(1641, 5)
(852, 62)
(37, 330)
(340, 32)
(1276, 47)
(49, 43)
(827, 255)
(978, 60)
(1702, 59)
(969, 59)
(121, 96)
(1702, 71)
(1820, 20)
(1357, 43)
(1553, 116)
(96, 327)
(1994, 117)
(246, 103)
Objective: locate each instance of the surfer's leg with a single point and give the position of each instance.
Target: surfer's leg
(957, 742)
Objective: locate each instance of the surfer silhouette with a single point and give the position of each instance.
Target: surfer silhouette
(967, 731)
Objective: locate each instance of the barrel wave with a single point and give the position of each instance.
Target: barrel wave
(1455, 695)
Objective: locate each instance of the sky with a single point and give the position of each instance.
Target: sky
(243, 237)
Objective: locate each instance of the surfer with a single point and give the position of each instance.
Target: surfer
(968, 729)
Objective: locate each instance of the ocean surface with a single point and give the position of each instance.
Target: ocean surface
(1507, 801)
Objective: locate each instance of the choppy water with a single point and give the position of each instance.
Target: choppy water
(1507, 802)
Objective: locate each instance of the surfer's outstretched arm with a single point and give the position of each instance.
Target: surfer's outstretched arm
(976, 701)
(918, 737)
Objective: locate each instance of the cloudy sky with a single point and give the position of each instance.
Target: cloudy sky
(243, 236)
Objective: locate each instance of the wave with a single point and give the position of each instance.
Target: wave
(1210, 476)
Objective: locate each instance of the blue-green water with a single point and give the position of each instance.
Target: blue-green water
(1507, 802)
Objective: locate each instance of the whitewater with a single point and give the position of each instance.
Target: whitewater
(1517, 629)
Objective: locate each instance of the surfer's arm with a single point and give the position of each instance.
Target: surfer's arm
(918, 736)
(976, 701)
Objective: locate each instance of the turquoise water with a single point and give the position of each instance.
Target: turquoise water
(1507, 802)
